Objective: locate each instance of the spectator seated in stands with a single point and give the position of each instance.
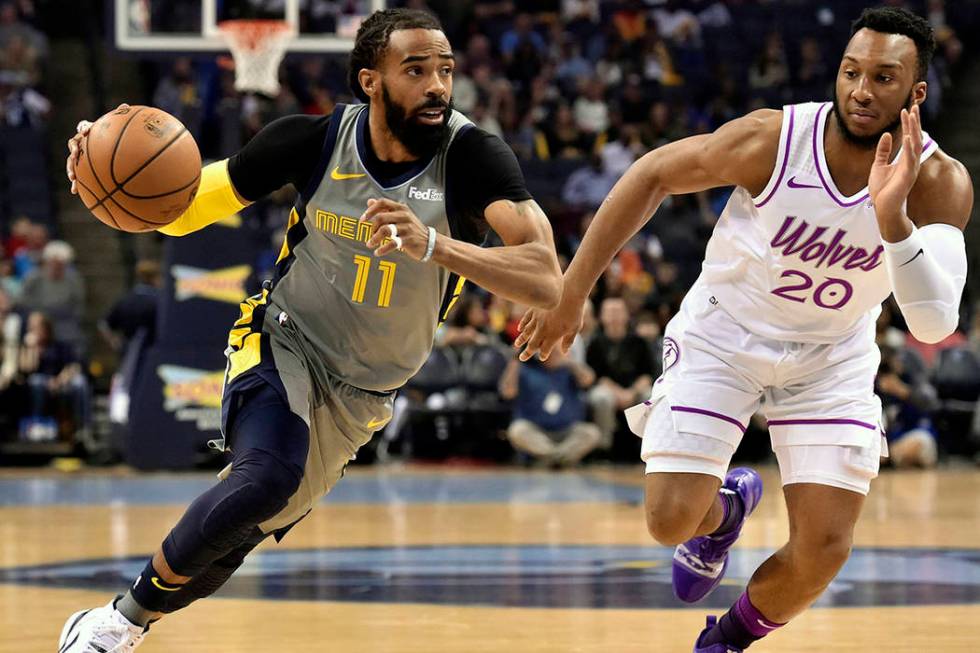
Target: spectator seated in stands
(9, 282)
(560, 137)
(456, 390)
(178, 95)
(908, 400)
(623, 364)
(467, 326)
(21, 49)
(588, 186)
(13, 27)
(549, 410)
(9, 344)
(619, 155)
(136, 311)
(591, 109)
(648, 328)
(25, 245)
(48, 372)
(522, 32)
(769, 73)
(56, 289)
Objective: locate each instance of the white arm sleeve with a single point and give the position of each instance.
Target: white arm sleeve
(928, 271)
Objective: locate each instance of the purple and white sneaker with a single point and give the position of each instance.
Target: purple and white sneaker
(713, 648)
(700, 563)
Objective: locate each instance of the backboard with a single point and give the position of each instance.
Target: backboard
(192, 25)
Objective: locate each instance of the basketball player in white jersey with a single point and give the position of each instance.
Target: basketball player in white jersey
(837, 205)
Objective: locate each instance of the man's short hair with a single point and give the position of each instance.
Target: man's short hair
(896, 20)
(372, 40)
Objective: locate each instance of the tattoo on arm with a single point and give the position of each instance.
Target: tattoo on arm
(529, 209)
(519, 207)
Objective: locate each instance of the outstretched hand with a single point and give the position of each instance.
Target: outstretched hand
(540, 330)
(890, 182)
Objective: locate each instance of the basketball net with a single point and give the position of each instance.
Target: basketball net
(258, 47)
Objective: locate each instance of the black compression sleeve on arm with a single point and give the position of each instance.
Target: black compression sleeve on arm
(484, 170)
(285, 151)
(481, 170)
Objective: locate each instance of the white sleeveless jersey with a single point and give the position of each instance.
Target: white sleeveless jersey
(800, 262)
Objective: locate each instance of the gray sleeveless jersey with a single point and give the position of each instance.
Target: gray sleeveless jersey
(370, 321)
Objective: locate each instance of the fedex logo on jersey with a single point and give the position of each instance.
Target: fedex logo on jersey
(796, 238)
(430, 194)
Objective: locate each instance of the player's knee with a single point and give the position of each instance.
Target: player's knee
(260, 486)
(819, 557)
(671, 520)
(270, 481)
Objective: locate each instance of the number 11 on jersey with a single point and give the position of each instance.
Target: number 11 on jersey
(387, 268)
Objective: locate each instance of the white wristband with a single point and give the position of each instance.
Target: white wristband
(430, 246)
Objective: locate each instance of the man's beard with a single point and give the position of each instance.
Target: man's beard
(419, 139)
(867, 142)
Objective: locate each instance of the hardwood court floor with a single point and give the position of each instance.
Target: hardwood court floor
(433, 559)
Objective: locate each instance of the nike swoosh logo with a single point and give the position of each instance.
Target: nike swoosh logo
(765, 625)
(156, 584)
(375, 423)
(792, 183)
(917, 254)
(341, 176)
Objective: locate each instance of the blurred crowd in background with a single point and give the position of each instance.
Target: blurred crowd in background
(579, 89)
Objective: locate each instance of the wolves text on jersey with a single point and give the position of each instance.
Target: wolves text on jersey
(815, 249)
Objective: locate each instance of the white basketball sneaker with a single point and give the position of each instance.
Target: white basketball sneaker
(100, 630)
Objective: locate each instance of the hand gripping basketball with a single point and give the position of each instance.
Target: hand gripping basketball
(136, 168)
(75, 148)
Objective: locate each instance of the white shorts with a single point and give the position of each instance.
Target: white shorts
(824, 418)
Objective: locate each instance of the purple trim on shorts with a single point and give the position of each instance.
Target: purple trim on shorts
(782, 171)
(819, 162)
(851, 422)
(708, 413)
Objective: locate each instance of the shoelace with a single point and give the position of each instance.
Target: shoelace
(108, 637)
(694, 560)
(703, 547)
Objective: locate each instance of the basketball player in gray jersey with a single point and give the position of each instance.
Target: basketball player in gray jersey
(395, 196)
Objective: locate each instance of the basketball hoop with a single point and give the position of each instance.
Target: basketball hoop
(258, 47)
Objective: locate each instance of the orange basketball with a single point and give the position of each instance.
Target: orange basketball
(138, 170)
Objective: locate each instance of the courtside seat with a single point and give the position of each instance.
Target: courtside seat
(957, 379)
(957, 375)
(914, 364)
(482, 367)
(439, 373)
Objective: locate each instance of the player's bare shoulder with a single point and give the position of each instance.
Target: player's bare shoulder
(745, 149)
(943, 192)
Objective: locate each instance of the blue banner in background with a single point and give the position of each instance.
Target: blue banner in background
(175, 405)
(207, 274)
